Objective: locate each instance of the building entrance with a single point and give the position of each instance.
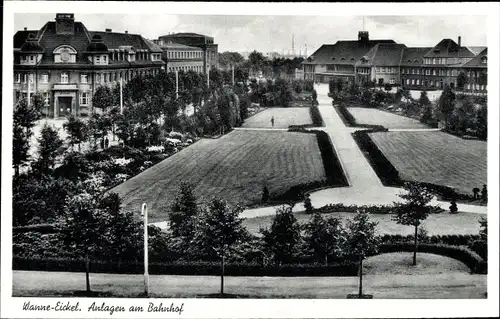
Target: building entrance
(64, 103)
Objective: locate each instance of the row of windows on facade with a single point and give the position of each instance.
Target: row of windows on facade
(196, 68)
(100, 59)
(438, 84)
(184, 54)
(106, 77)
(84, 99)
(484, 60)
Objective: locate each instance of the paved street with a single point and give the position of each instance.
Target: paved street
(456, 285)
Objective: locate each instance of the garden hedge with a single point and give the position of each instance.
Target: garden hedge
(387, 173)
(476, 264)
(349, 120)
(452, 240)
(315, 115)
(185, 268)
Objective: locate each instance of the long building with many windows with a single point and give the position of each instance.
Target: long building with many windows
(180, 57)
(66, 63)
(386, 62)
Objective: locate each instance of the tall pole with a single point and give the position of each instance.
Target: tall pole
(29, 90)
(176, 84)
(121, 96)
(146, 274)
(208, 77)
(232, 72)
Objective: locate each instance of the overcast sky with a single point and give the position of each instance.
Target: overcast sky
(274, 33)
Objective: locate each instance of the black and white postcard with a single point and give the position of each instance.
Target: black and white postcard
(249, 160)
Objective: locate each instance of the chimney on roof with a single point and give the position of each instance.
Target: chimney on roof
(459, 41)
(65, 23)
(108, 30)
(363, 36)
(25, 29)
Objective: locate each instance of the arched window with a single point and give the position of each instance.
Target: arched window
(64, 54)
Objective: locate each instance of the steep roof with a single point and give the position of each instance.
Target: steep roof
(343, 52)
(414, 56)
(449, 48)
(21, 36)
(50, 40)
(477, 61)
(386, 54)
(476, 50)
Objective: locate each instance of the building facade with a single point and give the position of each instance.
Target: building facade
(476, 74)
(66, 63)
(386, 62)
(205, 43)
(179, 57)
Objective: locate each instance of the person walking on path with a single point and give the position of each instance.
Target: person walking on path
(272, 121)
(106, 142)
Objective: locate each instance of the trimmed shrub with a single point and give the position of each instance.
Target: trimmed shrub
(185, 268)
(372, 209)
(387, 173)
(476, 264)
(315, 115)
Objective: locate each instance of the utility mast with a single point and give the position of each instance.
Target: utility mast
(293, 44)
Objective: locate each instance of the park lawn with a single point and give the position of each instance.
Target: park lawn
(283, 118)
(436, 224)
(234, 167)
(400, 263)
(436, 157)
(374, 116)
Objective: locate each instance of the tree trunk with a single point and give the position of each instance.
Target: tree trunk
(16, 170)
(87, 271)
(360, 277)
(416, 243)
(222, 274)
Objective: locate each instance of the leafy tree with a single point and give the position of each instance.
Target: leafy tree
(81, 225)
(282, 239)
(227, 59)
(361, 240)
(103, 98)
(483, 232)
(308, 204)
(475, 192)
(414, 209)
(453, 207)
(256, 61)
(446, 103)
(49, 148)
(184, 210)
(24, 120)
(325, 237)
(218, 229)
(314, 96)
(461, 80)
(77, 130)
(484, 193)
(426, 114)
(482, 122)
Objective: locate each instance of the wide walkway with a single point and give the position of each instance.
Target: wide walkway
(455, 285)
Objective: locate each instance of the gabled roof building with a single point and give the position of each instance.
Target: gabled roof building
(66, 63)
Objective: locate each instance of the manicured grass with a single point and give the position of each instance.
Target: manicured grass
(283, 117)
(234, 167)
(436, 224)
(386, 119)
(401, 264)
(435, 157)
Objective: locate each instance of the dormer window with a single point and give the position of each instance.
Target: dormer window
(352, 59)
(484, 60)
(342, 59)
(64, 54)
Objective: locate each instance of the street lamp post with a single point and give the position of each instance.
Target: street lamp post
(144, 213)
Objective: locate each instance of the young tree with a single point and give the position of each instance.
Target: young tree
(453, 207)
(76, 129)
(80, 224)
(282, 239)
(49, 148)
(103, 98)
(461, 80)
(484, 193)
(361, 240)
(325, 237)
(446, 103)
(482, 122)
(308, 204)
(218, 229)
(184, 210)
(24, 120)
(475, 192)
(414, 209)
(265, 194)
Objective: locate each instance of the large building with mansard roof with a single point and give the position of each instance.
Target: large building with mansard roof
(66, 63)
